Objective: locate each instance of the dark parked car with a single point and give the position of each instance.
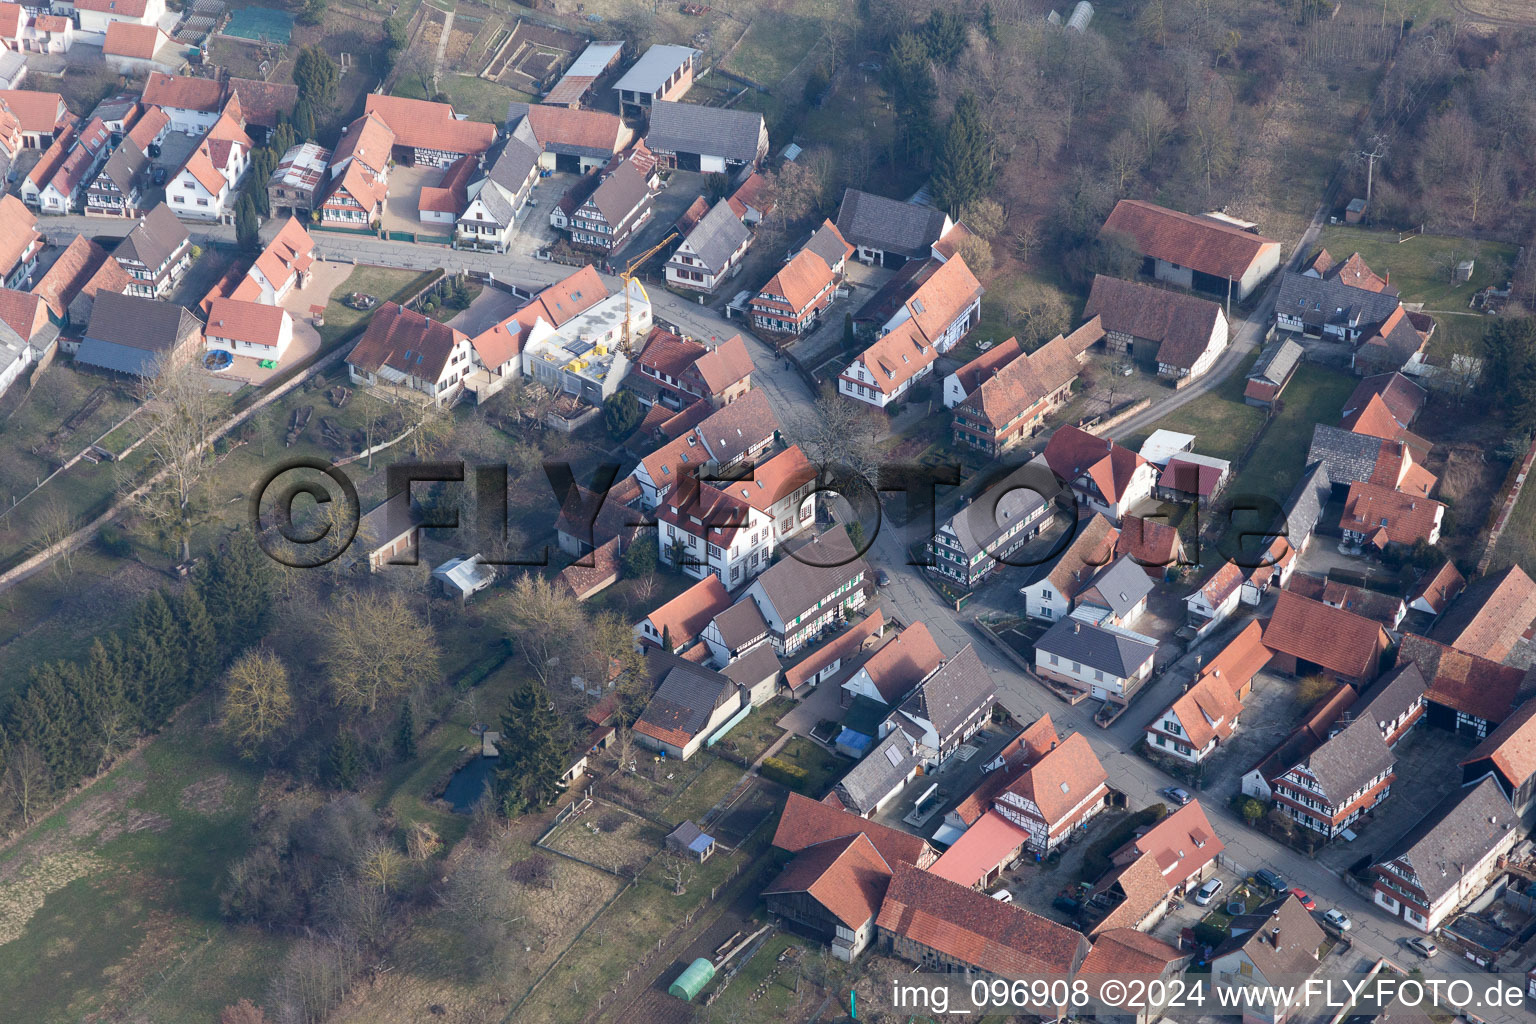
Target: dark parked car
(159, 176)
(882, 578)
(1270, 880)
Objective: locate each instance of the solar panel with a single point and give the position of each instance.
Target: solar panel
(894, 756)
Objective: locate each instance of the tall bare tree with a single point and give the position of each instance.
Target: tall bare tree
(543, 621)
(375, 650)
(52, 525)
(258, 702)
(183, 413)
(27, 780)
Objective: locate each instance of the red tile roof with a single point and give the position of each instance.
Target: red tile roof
(1200, 243)
(406, 341)
(367, 140)
(684, 617)
(897, 357)
(250, 322)
(585, 580)
(973, 928)
(846, 875)
(940, 299)
(1481, 688)
(126, 39)
(451, 194)
(1022, 383)
(422, 124)
(1337, 640)
(183, 92)
(1491, 614)
(1072, 453)
(774, 480)
(11, 20)
(53, 23)
(1512, 746)
(845, 646)
(990, 840)
(18, 232)
(800, 280)
(1127, 953)
(1207, 711)
(986, 365)
(124, 8)
(1237, 663)
(1387, 516)
(903, 662)
(1062, 779)
(725, 364)
(23, 312)
(1438, 588)
(584, 129)
(1153, 545)
(805, 822)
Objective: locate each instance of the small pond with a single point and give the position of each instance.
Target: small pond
(467, 785)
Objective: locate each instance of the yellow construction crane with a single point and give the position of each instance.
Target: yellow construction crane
(627, 275)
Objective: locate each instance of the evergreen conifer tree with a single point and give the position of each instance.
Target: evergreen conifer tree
(967, 164)
(533, 752)
(405, 738)
(236, 588)
(346, 760)
(198, 639)
(155, 656)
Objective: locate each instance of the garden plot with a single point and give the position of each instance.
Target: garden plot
(531, 56)
(609, 837)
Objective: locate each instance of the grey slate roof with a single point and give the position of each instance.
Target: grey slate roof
(955, 691)
(740, 623)
(1348, 760)
(687, 697)
(1276, 362)
(1392, 695)
(513, 164)
(878, 772)
(1350, 457)
(496, 202)
(1293, 956)
(1111, 651)
(978, 525)
(824, 242)
(124, 166)
(1122, 584)
(889, 225)
(654, 67)
(1304, 506)
(128, 333)
(809, 571)
(756, 665)
(1458, 831)
(717, 235)
(157, 236)
(1318, 301)
(620, 193)
(714, 131)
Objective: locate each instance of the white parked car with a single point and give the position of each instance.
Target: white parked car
(1338, 920)
(1003, 896)
(1207, 892)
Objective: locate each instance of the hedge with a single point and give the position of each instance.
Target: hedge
(785, 773)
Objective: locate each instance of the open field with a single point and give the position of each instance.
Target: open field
(757, 732)
(1222, 423)
(610, 837)
(1517, 544)
(476, 98)
(383, 283)
(1316, 395)
(1420, 266)
(708, 789)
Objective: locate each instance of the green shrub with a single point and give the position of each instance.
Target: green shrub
(1209, 935)
(784, 773)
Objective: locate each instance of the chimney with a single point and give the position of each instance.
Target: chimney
(1077, 627)
(1274, 936)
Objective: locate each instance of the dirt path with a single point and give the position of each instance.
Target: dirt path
(442, 46)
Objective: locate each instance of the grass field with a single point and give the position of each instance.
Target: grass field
(707, 789)
(1315, 395)
(1517, 544)
(1222, 423)
(383, 283)
(822, 769)
(740, 1000)
(757, 732)
(478, 99)
(110, 905)
(1417, 265)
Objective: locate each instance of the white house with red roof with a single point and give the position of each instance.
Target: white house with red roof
(428, 133)
(194, 105)
(204, 188)
(248, 328)
(402, 348)
(703, 530)
(681, 621)
(793, 299)
(1109, 478)
(61, 193)
(96, 15)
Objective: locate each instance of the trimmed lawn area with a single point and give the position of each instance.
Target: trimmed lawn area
(822, 769)
(778, 41)
(478, 99)
(757, 732)
(384, 283)
(1412, 264)
(708, 788)
(778, 998)
(1517, 544)
(1316, 395)
(1222, 423)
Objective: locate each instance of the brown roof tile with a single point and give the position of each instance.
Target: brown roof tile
(806, 822)
(1201, 243)
(1339, 641)
(684, 617)
(1061, 779)
(1511, 747)
(1180, 324)
(1480, 687)
(422, 124)
(846, 875)
(845, 646)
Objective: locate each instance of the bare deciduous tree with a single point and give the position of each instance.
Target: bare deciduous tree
(52, 525)
(257, 700)
(543, 620)
(375, 650)
(182, 412)
(27, 780)
(679, 871)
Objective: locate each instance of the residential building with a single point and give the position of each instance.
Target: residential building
(499, 349)
(1397, 344)
(569, 140)
(1490, 616)
(888, 231)
(1110, 662)
(663, 72)
(734, 632)
(1178, 336)
(1192, 478)
(690, 705)
(942, 297)
(496, 197)
(1335, 301)
(835, 656)
(1466, 693)
(284, 265)
(833, 891)
(1395, 702)
(962, 383)
(88, 150)
(828, 243)
(881, 773)
(753, 199)
(711, 252)
(129, 48)
(138, 337)
(795, 297)
(1448, 858)
(96, 16)
(1272, 372)
(1052, 594)
(367, 141)
(948, 928)
(247, 328)
(31, 119)
(262, 104)
(1276, 947)
(711, 140)
(782, 488)
(1153, 871)
(1508, 755)
(118, 188)
(1328, 789)
(204, 188)
(405, 350)
(441, 204)
(155, 254)
(298, 181)
(70, 285)
(193, 105)
(1156, 547)
(1010, 405)
(428, 133)
(1379, 517)
(1243, 657)
(1127, 955)
(587, 356)
(20, 243)
(1401, 397)
(885, 371)
(950, 706)
(1387, 609)
(990, 528)
(818, 583)
(1116, 595)
(1198, 721)
(1216, 599)
(675, 371)
(1436, 590)
(1204, 253)
(355, 199)
(726, 438)
(1109, 478)
(681, 622)
(894, 670)
(1310, 637)
(1060, 792)
(615, 210)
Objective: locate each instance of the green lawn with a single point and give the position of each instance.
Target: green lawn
(708, 788)
(1315, 395)
(757, 732)
(1222, 423)
(1517, 544)
(113, 900)
(822, 768)
(737, 1002)
(774, 45)
(383, 283)
(1414, 265)
(478, 99)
